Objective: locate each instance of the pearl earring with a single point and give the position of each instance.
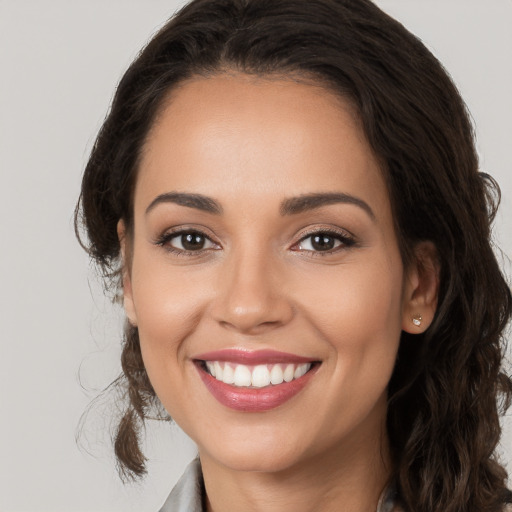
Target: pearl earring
(416, 320)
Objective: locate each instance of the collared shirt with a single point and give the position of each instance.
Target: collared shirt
(187, 495)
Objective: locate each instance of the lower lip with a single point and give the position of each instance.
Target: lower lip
(254, 399)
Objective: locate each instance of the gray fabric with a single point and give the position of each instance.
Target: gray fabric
(187, 495)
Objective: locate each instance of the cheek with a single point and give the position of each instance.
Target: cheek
(165, 299)
(355, 305)
(168, 309)
(167, 315)
(358, 315)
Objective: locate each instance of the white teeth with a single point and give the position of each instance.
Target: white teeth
(276, 375)
(301, 370)
(242, 376)
(211, 367)
(228, 377)
(258, 376)
(288, 373)
(218, 370)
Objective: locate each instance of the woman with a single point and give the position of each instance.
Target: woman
(288, 194)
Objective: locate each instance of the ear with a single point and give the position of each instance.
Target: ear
(421, 288)
(129, 306)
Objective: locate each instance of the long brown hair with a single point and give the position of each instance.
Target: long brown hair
(448, 386)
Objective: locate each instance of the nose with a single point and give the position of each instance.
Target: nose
(251, 295)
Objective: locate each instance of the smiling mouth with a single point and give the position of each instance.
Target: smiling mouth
(255, 376)
(254, 381)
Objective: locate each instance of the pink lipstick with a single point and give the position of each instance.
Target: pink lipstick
(254, 381)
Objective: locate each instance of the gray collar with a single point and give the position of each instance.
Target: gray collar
(187, 495)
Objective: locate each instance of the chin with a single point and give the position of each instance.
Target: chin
(249, 453)
(257, 462)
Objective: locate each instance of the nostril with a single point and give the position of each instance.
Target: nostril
(250, 326)
(253, 319)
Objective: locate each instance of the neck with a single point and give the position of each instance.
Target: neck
(352, 475)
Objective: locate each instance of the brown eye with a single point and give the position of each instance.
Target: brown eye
(192, 241)
(324, 242)
(189, 241)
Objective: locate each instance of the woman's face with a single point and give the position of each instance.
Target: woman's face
(263, 247)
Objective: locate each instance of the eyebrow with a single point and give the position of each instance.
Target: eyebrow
(290, 206)
(306, 202)
(197, 201)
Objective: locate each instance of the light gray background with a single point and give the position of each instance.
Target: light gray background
(59, 64)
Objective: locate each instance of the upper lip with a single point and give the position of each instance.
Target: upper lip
(252, 357)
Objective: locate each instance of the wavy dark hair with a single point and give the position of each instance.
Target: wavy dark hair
(448, 388)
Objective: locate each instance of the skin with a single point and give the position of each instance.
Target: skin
(249, 143)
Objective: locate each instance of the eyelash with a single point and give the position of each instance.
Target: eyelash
(166, 238)
(346, 241)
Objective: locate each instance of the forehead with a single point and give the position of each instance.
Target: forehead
(239, 134)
